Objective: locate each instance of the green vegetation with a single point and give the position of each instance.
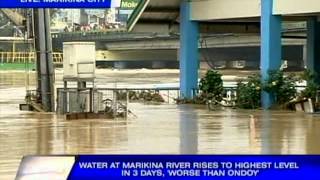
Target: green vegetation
(311, 88)
(17, 66)
(249, 94)
(283, 87)
(211, 86)
(211, 89)
(280, 85)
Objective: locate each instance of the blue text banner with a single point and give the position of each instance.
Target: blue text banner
(59, 3)
(192, 167)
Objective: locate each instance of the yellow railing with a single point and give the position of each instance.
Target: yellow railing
(26, 57)
(57, 58)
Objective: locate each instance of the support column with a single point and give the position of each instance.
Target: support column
(189, 34)
(45, 69)
(270, 46)
(313, 47)
(49, 60)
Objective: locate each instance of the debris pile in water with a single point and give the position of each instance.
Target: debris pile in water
(149, 96)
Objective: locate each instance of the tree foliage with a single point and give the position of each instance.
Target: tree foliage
(281, 86)
(211, 86)
(249, 94)
(311, 89)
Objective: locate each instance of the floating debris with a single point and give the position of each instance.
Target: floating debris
(149, 96)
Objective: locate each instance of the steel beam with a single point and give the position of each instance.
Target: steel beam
(15, 17)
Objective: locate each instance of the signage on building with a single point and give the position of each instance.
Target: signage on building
(129, 4)
(95, 12)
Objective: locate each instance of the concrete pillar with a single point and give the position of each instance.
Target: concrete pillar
(313, 47)
(189, 33)
(45, 69)
(270, 46)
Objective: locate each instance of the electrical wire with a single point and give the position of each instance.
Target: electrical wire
(205, 54)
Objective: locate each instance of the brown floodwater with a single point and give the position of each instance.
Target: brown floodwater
(157, 129)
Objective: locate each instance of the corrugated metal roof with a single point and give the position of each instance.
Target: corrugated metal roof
(161, 11)
(164, 3)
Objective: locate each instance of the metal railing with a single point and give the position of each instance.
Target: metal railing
(57, 57)
(27, 57)
(73, 100)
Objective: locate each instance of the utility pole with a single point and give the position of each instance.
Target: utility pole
(43, 48)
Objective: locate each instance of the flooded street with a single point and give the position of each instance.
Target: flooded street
(157, 129)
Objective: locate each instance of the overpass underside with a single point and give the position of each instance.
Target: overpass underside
(242, 58)
(223, 51)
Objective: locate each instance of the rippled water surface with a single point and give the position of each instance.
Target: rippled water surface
(157, 129)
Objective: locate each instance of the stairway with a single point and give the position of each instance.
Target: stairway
(14, 16)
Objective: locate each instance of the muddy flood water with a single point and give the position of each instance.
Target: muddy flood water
(157, 129)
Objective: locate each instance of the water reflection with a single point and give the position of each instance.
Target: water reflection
(188, 130)
(265, 132)
(254, 135)
(312, 141)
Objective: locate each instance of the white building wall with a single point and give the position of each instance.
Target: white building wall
(206, 10)
(287, 7)
(203, 10)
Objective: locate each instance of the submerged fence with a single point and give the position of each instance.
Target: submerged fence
(110, 100)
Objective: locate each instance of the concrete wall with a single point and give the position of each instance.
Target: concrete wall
(217, 57)
(206, 10)
(224, 9)
(287, 7)
(220, 57)
(155, 28)
(138, 55)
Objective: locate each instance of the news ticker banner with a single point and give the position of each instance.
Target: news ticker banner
(190, 167)
(59, 3)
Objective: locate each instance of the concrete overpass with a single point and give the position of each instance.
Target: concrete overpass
(270, 14)
(152, 50)
(250, 10)
(155, 25)
(189, 20)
